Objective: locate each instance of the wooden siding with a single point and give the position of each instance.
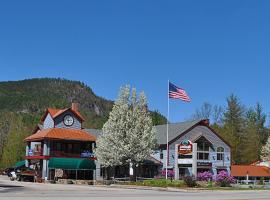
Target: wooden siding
(59, 121)
(193, 135)
(48, 122)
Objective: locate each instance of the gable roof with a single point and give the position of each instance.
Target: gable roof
(251, 170)
(61, 133)
(95, 132)
(56, 112)
(175, 129)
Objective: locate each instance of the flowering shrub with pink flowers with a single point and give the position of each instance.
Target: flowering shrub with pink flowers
(223, 179)
(205, 176)
(170, 173)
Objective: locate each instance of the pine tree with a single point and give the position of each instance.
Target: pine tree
(251, 138)
(234, 124)
(128, 136)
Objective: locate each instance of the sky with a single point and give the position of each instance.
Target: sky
(210, 48)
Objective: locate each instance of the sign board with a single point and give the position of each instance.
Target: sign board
(185, 161)
(87, 154)
(30, 152)
(185, 147)
(204, 164)
(59, 173)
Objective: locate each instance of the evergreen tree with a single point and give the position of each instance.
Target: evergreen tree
(128, 136)
(251, 139)
(260, 118)
(158, 118)
(234, 124)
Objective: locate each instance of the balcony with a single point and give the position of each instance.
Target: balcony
(64, 154)
(84, 154)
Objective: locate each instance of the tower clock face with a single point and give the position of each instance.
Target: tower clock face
(68, 120)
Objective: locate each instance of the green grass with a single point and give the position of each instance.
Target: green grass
(160, 183)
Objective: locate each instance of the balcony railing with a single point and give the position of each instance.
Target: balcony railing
(35, 152)
(64, 154)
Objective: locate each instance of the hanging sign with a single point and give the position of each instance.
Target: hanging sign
(185, 147)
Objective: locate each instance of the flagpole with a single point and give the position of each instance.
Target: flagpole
(168, 115)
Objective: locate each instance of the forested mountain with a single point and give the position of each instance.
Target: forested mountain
(23, 102)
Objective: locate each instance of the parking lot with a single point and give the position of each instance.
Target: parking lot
(27, 191)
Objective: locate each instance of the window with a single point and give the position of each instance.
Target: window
(220, 153)
(161, 155)
(203, 150)
(180, 156)
(58, 146)
(70, 148)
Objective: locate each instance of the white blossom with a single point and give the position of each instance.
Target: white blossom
(265, 152)
(128, 136)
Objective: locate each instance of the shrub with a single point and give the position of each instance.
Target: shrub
(190, 181)
(205, 176)
(261, 181)
(223, 179)
(161, 183)
(170, 173)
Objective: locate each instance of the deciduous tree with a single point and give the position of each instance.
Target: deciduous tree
(128, 136)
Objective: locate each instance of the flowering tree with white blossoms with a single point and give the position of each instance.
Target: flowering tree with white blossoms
(265, 152)
(128, 136)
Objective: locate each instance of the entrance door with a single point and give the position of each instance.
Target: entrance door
(182, 173)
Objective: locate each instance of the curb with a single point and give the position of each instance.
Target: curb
(167, 189)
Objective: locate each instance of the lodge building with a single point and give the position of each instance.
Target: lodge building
(210, 152)
(60, 148)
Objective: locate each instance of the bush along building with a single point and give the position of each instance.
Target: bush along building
(60, 147)
(193, 147)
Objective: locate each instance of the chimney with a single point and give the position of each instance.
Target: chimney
(206, 122)
(75, 106)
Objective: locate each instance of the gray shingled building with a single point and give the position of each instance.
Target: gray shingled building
(213, 152)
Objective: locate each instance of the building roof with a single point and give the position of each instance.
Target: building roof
(56, 112)
(61, 133)
(251, 170)
(175, 129)
(95, 132)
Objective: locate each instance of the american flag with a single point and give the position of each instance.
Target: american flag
(178, 93)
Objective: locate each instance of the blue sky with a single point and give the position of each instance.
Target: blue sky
(210, 48)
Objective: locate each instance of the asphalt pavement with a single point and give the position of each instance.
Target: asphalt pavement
(10, 190)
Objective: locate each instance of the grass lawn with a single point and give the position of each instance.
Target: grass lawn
(163, 183)
(159, 183)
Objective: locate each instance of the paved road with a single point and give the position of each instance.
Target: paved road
(34, 191)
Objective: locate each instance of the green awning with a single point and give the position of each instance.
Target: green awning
(19, 164)
(72, 164)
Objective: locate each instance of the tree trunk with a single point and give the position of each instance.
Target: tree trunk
(131, 171)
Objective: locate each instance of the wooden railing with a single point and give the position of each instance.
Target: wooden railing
(64, 154)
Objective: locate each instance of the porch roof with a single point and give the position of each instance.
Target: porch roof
(61, 133)
(72, 164)
(250, 170)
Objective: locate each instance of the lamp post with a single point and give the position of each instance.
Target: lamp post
(247, 178)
